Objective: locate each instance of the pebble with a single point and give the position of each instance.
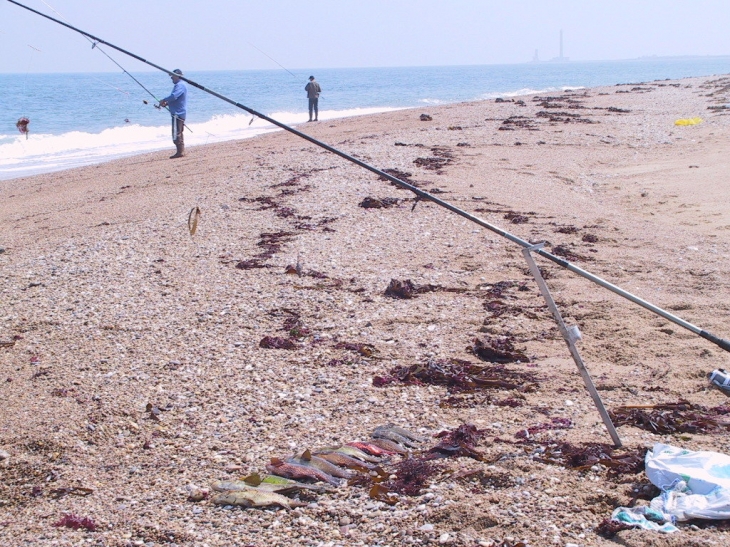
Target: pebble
(444, 538)
(426, 528)
(4, 455)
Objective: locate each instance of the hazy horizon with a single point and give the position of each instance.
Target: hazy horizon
(249, 35)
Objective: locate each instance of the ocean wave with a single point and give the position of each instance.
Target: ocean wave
(42, 153)
(517, 93)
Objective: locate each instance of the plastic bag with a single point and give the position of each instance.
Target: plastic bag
(693, 484)
(682, 504)
(702, 471)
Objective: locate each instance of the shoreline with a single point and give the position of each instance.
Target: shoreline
(113, 306)
(81, 137)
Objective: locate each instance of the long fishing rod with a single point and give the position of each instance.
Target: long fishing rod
(421, 195)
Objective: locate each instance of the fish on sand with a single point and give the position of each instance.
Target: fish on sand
(255, 498)
(307, 459)
(295, 471)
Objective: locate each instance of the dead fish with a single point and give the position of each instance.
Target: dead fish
(343, 460)
(349, 451)
(405, 433)
(255, 498)
(385, 432)
(307, 459)
(280, 486)
(370, 448)
(295, 471)
(285, 485)
(385, 444)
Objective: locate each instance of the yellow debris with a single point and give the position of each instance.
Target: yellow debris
(688, 121)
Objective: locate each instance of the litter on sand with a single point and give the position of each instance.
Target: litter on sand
(688, 121)
(694, 485)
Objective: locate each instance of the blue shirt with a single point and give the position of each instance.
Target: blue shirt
(177, 100)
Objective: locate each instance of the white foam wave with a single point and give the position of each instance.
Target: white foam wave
(42, 153)
(528, 91)
(517, 93)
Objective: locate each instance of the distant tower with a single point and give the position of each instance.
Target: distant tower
(561, 58)
(535, 58)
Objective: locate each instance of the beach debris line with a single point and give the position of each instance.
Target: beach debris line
(573, 103)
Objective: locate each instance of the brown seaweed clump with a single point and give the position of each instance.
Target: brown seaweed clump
(376, 203)
(458, 375)
(458, 442)
(276, 342)
(668, 418)
(618, 461)
(497, 350)
(408, 289)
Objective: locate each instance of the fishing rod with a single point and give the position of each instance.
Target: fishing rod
(94, 45)
(421, 195)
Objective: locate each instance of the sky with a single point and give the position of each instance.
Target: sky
(298, 34)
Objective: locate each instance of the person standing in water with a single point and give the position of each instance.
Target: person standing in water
(313, 90)
(176, 103)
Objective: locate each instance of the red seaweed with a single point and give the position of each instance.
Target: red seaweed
(75, 522)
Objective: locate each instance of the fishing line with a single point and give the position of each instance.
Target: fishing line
(270, 57)
(722, 343)
(277, 62)
(95, 45)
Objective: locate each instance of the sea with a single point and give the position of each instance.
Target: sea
(88, 118)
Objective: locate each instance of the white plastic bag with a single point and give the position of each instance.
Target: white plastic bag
(702, 471)
(682, 504)
(693, 484)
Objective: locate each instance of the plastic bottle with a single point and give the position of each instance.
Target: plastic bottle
(721, 380)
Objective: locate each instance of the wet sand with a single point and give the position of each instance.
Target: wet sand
(132, 366)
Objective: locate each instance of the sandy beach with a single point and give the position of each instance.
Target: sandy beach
(132, 372)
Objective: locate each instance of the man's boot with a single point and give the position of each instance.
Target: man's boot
(180, 150)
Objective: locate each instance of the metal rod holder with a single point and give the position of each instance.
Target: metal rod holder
(571, 335)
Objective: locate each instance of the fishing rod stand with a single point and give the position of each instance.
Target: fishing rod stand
(571, 336)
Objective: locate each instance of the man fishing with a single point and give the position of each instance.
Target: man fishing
(176, 103)
(313, 90)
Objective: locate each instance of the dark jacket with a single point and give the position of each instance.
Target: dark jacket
(313, 90)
